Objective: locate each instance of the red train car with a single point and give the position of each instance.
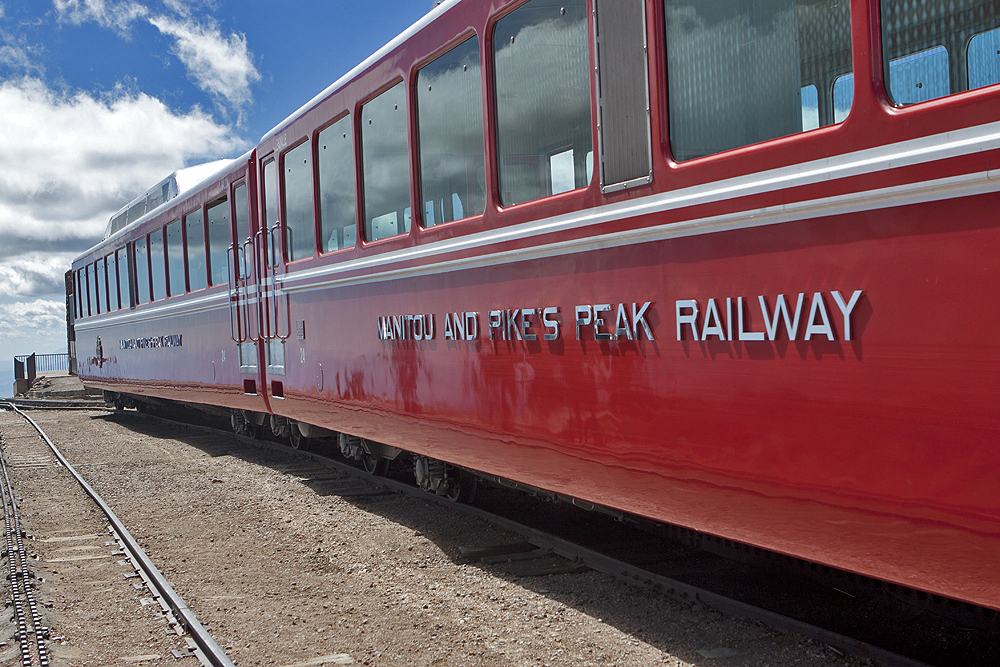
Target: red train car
(730, 267)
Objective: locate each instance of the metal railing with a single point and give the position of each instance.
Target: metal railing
(28, 366)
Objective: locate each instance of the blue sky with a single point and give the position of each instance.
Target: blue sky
(100, 99)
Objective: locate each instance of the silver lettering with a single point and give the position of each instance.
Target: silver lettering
(812, 328)
(598, 321)
(712, 325)
(745, 335)
(847, 309)
(583, 318)
(550, 323)
(691, 319)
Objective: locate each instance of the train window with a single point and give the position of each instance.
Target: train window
(194, 228)
(157, 265)
(218, 241)
(78, 294)
(923, 44)
(810, 107)
(241, 214)
(385, 165)
(92, 290)
(142, 292)
(919, 77)
(102, 287)
(450, 131)
(124, 280)
(175, 259)
(269, 175)
(984, 59)
(843, 95)
(336, 186)
(544, 134)
(113, 290)
(736, 70)
(298, 198)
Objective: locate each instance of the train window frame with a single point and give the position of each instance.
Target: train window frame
(326, 231)
(191, 260)
(525, 176)
(172, 262)
(76, 294)
(85, 286)
(124, 300)
(369, 202)
(239, 200)
(930, 45)
(92, 309)
(111, 260)
(218, 262)
(269, 193)
(732, 81)
(147, 273)
(101, 278)
(974, 41)
(290, 245)
(429, 208)
(157, 269)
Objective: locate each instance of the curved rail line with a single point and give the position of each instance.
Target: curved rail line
(597, 561)
(208, 650)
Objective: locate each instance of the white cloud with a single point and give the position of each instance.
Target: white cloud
(34, 274)
(221, 66)
(108, 14)
(67, 162)
(24, 318)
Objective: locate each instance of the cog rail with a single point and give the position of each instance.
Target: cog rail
(208, 650)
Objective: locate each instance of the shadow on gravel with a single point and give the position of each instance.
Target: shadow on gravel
(690, 632)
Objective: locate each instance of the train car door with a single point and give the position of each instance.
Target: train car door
(244, 291)
(274, 304)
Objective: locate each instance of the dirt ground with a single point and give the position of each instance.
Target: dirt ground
(290, 566)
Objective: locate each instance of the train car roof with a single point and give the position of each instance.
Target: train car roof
(189, 180)
(368, 62)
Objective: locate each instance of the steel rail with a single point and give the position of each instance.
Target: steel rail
(214, 653)
(19, 574)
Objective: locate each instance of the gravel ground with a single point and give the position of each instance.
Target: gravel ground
(283, 571)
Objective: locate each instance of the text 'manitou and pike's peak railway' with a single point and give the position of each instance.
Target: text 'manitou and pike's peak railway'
(725, 266)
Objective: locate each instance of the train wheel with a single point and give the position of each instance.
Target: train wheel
(462, 488)
(296, 439)
(375, 466)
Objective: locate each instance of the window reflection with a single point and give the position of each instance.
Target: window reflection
(218, 241)
(299, 235)
(385, 165)
(450, 121)
(543, 99)
(157, 264)
(336, 186)
(141, 272)
(737, 70)
(194, 222)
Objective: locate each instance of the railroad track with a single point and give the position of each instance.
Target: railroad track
(541, 551)
(31, 631)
